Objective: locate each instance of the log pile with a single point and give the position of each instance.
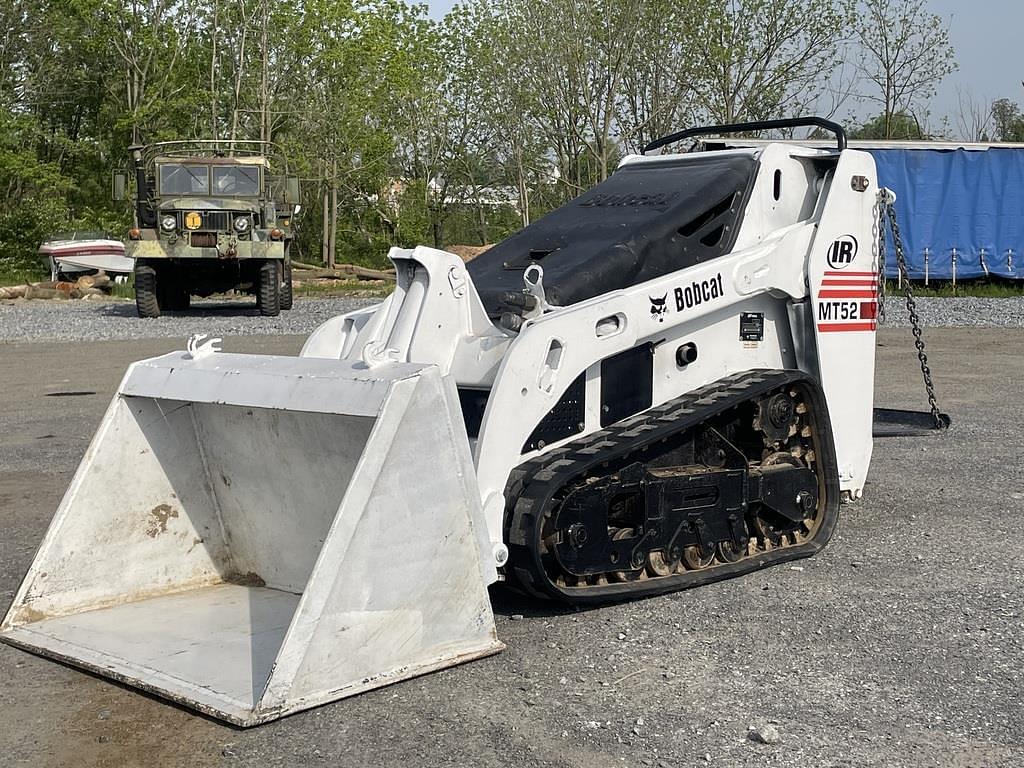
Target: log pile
(303, 271)
(82, 288)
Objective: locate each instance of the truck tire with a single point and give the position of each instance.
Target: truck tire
(268, 293)
(286, 286)
(146, 291)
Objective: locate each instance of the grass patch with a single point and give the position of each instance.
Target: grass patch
(124, 290)
(13, 275)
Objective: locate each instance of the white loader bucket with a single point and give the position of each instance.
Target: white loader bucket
(253, 535)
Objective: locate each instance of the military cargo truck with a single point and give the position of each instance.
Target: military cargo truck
(210, 217)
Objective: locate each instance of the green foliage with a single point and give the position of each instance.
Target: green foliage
(402, 129)
(905, 51)
(900, 126)
(1009, 122)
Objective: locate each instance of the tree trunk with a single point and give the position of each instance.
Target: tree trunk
(265, 73)
(482, 220)
(437, 229)
(332, 253)
(213, 75)
(524, 191)
(325, 238)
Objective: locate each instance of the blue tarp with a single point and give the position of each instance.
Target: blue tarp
(970, 200)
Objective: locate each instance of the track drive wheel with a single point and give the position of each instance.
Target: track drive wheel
(695, 559)
(268, 293)
(146, 291)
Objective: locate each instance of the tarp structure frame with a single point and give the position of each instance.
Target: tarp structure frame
(961, 212)
(960, 205)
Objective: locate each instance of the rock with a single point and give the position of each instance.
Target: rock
(516, 617)
(764, 734)
(102, 739)
(621, 636)
(229, 751)
(103, 715)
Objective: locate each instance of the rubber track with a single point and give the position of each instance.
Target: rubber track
(534, 485)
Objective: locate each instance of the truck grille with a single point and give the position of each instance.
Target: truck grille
(203, 239)
(213, 221)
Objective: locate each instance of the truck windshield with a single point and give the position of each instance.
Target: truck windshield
(184, 179)
(240, 180)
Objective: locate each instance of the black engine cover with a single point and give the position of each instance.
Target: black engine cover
(646, 220)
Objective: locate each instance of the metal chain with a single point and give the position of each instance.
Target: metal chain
(880, 249)
(887, 209)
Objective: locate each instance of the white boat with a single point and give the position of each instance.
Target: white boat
(76, 252)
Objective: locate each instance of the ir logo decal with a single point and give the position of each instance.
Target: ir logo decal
(842, 252)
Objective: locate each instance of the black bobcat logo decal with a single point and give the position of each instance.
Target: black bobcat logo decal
(658, 307)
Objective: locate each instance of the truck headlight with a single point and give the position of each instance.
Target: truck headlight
(168, 223)
(241, 224)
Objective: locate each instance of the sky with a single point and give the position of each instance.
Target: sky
(986, 37)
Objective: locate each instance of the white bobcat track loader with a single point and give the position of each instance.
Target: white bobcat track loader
(665, 382)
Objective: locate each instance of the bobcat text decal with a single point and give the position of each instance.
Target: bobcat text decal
(699, 292)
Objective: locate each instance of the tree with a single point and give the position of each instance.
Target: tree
(658, 84)
(906, 52)
(762, 59)
(1009, 123)
(900, 126)
(974, 117)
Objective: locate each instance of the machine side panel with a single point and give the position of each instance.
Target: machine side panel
(842, 273)
(702, 306)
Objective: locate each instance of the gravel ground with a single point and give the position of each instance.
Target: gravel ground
(88, 321)
(900, 645)
(115, 320)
